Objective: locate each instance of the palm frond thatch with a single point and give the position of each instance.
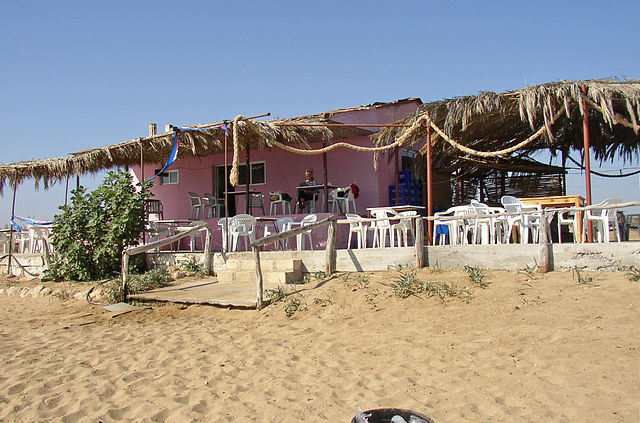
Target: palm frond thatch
(206, 140)
(492, 122)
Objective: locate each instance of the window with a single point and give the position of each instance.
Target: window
(257, 174)
(169, 177)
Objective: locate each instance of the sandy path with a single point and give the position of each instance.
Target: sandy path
(523, 349)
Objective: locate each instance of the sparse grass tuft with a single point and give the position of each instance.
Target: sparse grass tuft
(322, 302)
(582, 280)
(315, 276)
(634, 274)
(476, 275)
(155, 278)
(358, 281)
(407, 284)
(277, 294)
(293, 306)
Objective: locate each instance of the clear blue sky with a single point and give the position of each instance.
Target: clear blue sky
(81, 74)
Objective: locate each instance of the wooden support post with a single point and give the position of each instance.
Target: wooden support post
(419, 242)
(13, 209)
(325, 190)
(125, 275)
(544, 252)
(587, 155)
(429, 180)
(330, 252)
(248, 176)
(207, 251)
(259, 282)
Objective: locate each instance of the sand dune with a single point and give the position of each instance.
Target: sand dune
(526, 348)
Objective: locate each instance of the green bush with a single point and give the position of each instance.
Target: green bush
(95, 227)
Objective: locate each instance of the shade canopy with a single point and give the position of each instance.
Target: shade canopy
(489, 122)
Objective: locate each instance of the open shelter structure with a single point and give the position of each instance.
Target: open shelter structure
(487, 142)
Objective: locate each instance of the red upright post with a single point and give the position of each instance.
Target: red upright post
(587, 158)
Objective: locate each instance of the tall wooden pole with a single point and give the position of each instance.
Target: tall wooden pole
(325, 191)
(226, 196)
(13, 209)
(248, 177)
(587, 156)
(397, 178)
(429, 180)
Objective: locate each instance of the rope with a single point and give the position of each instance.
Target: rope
(425, 120)
(332, 147)
(604, 175)
(235, 166)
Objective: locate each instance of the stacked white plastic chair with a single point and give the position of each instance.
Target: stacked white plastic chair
(242, 225)
(602, 218)
(527, 222)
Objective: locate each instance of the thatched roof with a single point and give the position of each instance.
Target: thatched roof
(492, 122)
(207, 140)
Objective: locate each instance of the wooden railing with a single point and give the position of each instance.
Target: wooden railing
(199, 226)
(330, 251)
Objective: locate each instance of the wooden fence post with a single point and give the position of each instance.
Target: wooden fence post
(125, 274)
(330, 252)
(259, 282)
(419, 242)
(207, 251)
(544, 252)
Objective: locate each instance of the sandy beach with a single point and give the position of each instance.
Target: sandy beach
(526, 347)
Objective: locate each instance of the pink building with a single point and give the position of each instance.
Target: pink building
(280, 170)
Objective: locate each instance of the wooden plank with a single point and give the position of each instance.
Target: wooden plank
(330, 252)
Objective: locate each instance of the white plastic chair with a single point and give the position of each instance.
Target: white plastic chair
(381, 228)
(280, 225)
(357, 226)
(196, 204)
(526, 222)
(275, 198)
(455, 226)
(602, 219)
(242, 225)
(483, 229)
(404, 227)
(564, 220)
(223, 228)
(256, 200)
(340, 198)
(213, 205)
(308, 219)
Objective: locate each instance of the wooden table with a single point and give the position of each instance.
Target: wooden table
(561, 201)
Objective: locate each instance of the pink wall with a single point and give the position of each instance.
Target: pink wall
(285, 170)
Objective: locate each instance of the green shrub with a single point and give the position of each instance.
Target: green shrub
(95, 227)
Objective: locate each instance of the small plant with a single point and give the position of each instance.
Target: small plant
(359, 281)
(582, 280)
(322, 302)
(440, 290)
(406, 283)
(318, 276)
(634, 274)
(155, 278)
(277, 294)
(476, 275)
(292, 306)
(62, 295)
(192, 265)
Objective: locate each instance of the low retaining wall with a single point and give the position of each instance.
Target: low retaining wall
(608, 257)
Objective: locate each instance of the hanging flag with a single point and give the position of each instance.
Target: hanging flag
(225, 128)
(172, 156)
(32, 221)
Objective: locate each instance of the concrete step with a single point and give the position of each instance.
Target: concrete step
(274, 271)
